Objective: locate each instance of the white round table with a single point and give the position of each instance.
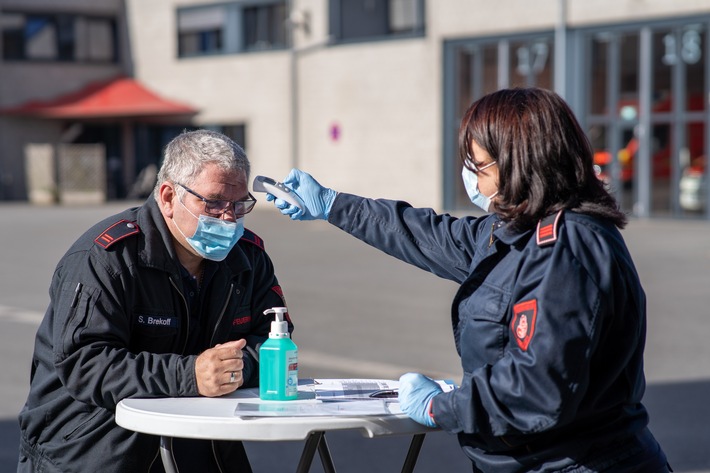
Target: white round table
(215, 419)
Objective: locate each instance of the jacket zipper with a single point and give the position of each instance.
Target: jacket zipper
(214, 334)
(157, 455)
(187, 319)
(216, 458)
(184, 345)
(221, 314)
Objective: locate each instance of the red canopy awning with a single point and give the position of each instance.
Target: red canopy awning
(117, 98)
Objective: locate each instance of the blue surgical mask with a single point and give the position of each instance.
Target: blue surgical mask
(214, 238)
(470, 182)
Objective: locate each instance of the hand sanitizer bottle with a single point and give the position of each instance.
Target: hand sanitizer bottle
(278, 361)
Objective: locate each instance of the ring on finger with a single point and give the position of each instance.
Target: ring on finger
(232, 377)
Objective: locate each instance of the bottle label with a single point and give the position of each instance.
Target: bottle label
(291, 373)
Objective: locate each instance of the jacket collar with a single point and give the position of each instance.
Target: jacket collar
(505, 234)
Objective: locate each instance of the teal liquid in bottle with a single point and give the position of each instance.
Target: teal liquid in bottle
(278, 361)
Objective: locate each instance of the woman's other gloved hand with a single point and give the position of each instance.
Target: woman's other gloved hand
(416, 393)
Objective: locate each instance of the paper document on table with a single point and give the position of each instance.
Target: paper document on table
(333, 397)
(316, 408)
(362, 389)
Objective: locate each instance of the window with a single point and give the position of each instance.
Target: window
(238, 132)
(659, 171)
(58, 37)
(201, 30)
(263, 27)
(478, 67)
(356, 20)
(232, 28)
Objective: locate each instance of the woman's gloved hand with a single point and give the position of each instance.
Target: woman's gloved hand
(416, 392)
(317, 199)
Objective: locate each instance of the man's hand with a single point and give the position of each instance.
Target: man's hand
(218, 370)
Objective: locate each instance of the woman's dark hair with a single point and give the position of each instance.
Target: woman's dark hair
(545, 160)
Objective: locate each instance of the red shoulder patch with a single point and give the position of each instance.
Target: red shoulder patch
(253, 238)
(523, 323)
(546, 233)
(116, 232)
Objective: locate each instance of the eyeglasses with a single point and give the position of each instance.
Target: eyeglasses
(220, 207)
(472, 166)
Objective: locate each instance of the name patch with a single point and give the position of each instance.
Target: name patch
(166, 321)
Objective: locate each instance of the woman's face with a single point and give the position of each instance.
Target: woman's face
(487, 178)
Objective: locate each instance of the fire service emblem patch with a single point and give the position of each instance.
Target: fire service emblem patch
(523, 323)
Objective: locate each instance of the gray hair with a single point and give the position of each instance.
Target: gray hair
(188, 153)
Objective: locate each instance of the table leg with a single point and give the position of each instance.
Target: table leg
(325, 458)
(166, 454)
(413, 453)
(315, 441)
(309, 451)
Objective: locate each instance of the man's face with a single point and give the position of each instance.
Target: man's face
(212, 183)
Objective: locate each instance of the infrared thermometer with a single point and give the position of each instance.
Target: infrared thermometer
(277, 189)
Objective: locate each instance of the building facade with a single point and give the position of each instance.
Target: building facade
(50, 49)
(367, 94)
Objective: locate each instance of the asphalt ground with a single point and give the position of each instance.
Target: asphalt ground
(360, 313)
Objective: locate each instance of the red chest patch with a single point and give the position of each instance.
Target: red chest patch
(523, 323)
(241, 320)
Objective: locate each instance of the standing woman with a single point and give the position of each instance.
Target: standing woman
(550, 317)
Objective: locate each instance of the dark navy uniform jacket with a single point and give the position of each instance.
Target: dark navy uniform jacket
(117, 327)
(550, 335)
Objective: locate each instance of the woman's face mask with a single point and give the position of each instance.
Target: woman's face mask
(470, 182)
(214, 238)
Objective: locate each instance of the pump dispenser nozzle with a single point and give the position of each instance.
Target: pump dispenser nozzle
(278, 361)
(279, 327)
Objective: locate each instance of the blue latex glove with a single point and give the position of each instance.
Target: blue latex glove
(416, 392)
(317, 199)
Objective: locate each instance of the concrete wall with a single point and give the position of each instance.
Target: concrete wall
(14, 135)
(21, 81)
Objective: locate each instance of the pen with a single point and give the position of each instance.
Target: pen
(77, 291)
(384, 394)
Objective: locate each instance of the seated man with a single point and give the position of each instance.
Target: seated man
(165, 299)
